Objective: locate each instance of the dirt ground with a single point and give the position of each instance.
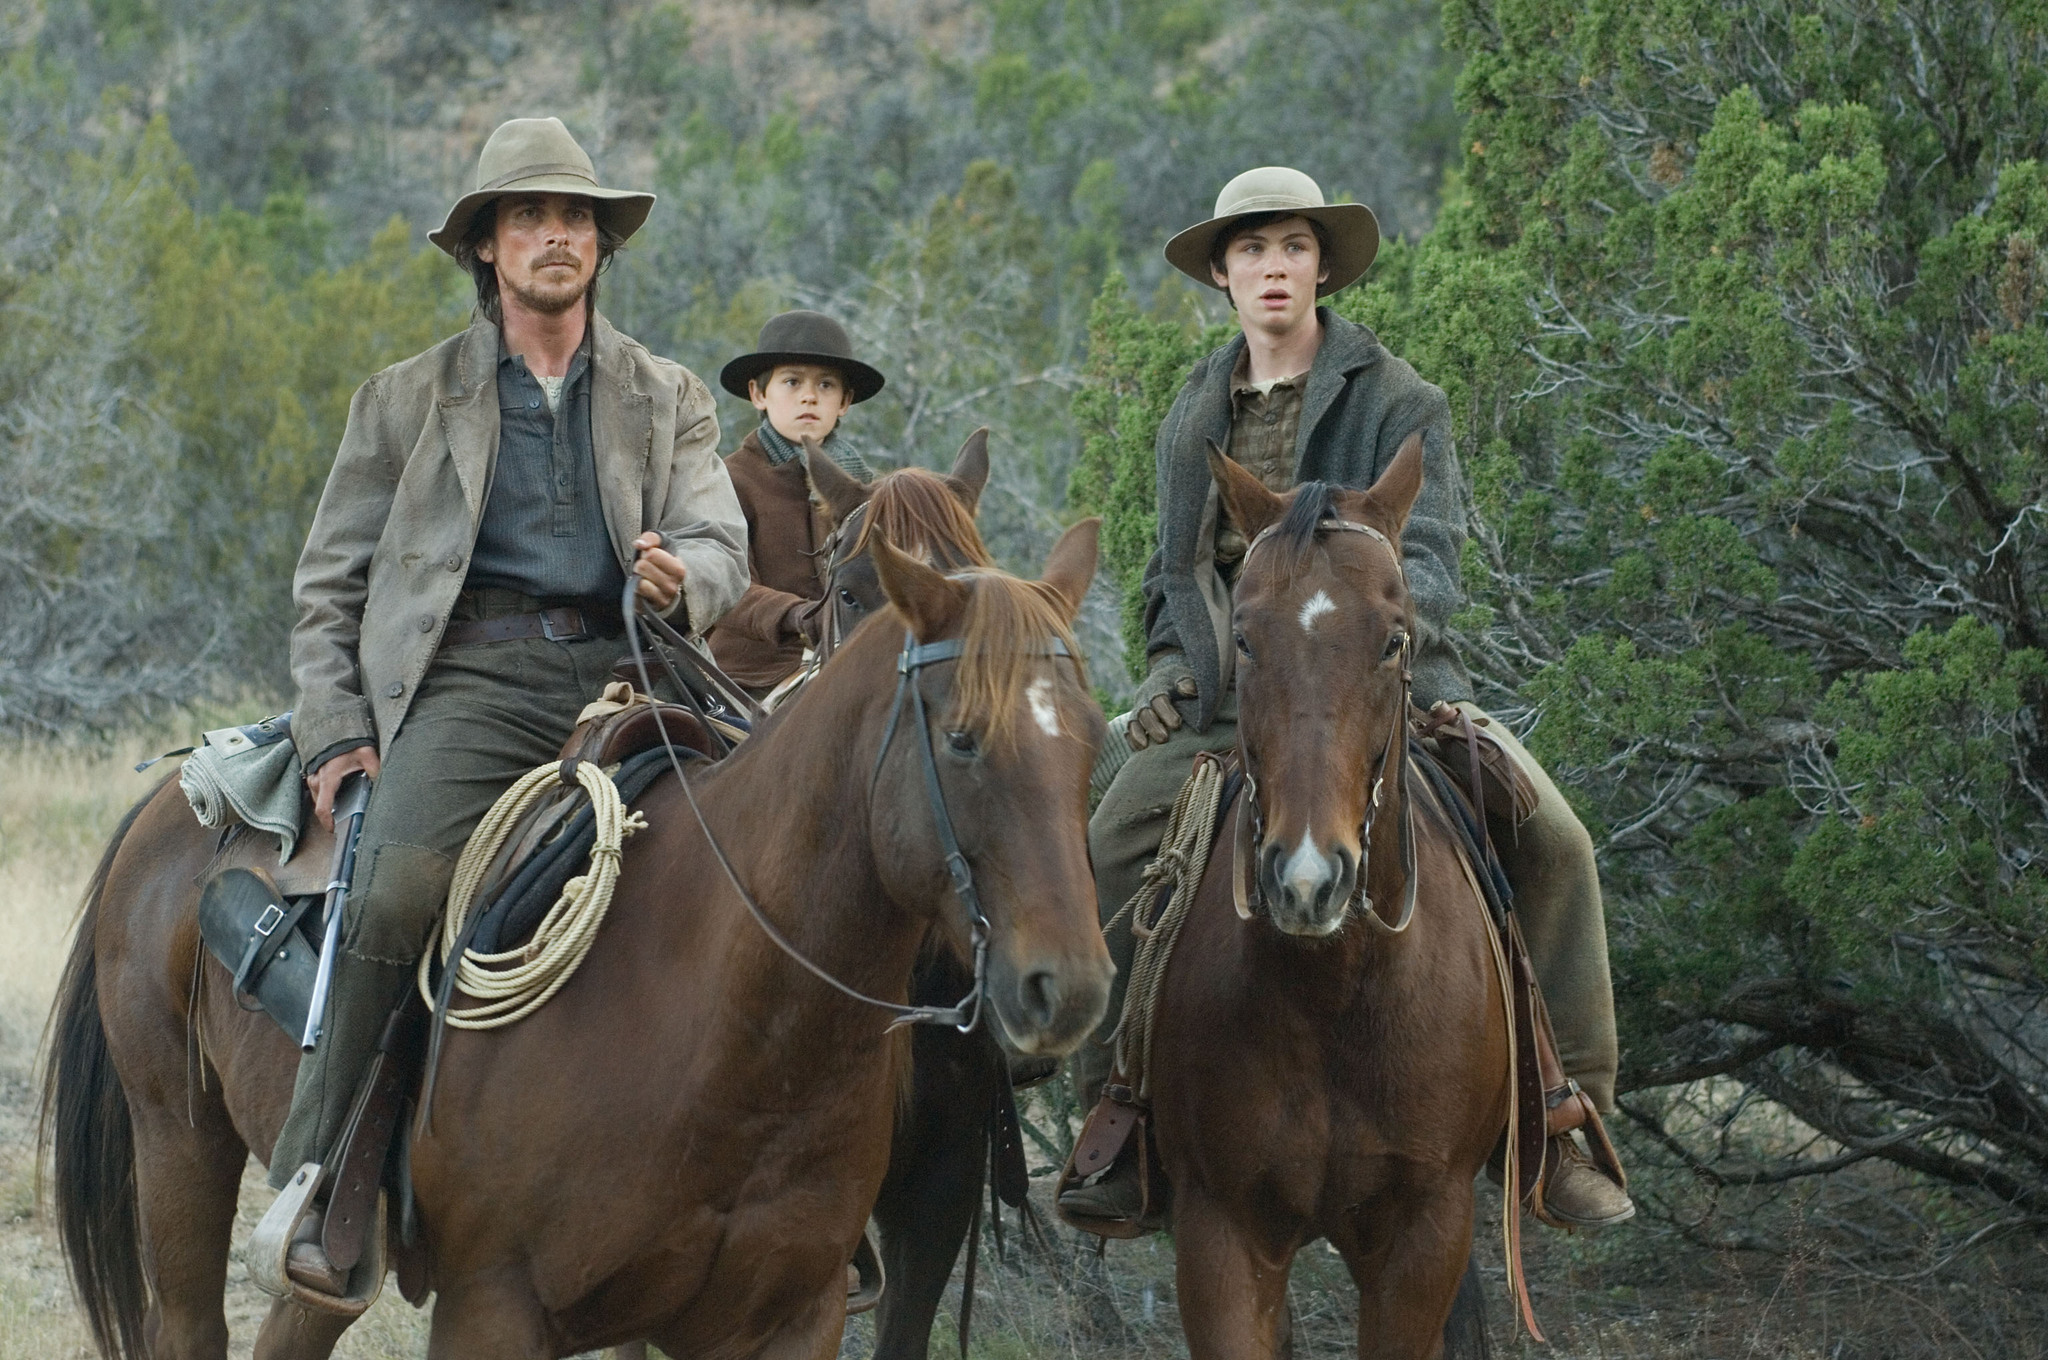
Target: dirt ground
(1862, 1266)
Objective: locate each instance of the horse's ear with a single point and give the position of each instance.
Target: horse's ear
(842, 492)
(1386, 504)
(1251, 507)
(970, 469)
(929, 602)
(1072, 564)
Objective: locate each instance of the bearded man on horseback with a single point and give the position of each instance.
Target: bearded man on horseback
(1304, 395)
(459, 591)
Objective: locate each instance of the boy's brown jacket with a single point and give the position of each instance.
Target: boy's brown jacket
(785, 540)
(390, 543)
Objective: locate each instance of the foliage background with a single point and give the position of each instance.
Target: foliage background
(1742, 309)
(215, 214)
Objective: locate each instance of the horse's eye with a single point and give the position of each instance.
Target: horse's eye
(1244, 649)
(846, 598)
(1396, 644)
(961, 743)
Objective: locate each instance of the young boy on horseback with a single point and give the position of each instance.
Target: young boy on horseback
(459, 591)
(1301, 395)
(802, 378)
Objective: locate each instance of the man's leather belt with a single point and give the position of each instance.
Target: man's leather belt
(564, 624)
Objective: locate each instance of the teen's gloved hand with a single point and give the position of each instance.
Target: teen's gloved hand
(1157, 713)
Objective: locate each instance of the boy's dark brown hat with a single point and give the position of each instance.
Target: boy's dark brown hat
(802, 338)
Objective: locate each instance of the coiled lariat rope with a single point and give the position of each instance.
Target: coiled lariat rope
(1183, 855)
(514, 984)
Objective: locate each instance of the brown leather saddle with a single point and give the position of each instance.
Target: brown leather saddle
(610, 732)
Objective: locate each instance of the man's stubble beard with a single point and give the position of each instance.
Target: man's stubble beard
(547, 299)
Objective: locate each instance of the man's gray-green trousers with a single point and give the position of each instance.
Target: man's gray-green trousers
(1549, 863)
(484, 716)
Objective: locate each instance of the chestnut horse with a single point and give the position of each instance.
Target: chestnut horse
(684, 1144)
(1319, 1071)
(940, 1154)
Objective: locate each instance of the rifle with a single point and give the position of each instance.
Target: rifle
(349, 804)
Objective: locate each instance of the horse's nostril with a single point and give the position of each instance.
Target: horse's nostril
(1039, 997)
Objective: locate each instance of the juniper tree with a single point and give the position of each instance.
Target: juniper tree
(1741, 313)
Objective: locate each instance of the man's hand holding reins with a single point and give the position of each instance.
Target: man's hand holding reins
(325, 782)
(661, 575)
(1156, 714)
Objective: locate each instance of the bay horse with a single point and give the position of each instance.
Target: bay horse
(1318, 1071)
(684, 1144)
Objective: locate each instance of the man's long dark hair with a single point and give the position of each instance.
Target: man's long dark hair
(485, 274)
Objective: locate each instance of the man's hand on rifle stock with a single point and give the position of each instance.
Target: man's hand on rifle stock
(661, 575)
(325, 782)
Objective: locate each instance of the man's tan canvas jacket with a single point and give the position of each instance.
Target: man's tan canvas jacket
(390, 543)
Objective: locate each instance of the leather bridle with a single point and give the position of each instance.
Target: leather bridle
(1251, 825)
(965, 1014)
(843, 535)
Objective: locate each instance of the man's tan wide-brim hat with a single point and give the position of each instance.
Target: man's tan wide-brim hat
(538, 156)
(1354, 231)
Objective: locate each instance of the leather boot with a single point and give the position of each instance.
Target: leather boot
(307, 1261)
(1581, 1189)
(1578, 1193)
(1116, 1194)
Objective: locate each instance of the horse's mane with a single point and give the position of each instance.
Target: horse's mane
(1297, 531)
(1008, 623)
(920, 513)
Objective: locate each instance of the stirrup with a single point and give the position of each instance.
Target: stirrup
(1104, 1150)
(1569, 1111)
(270, 1248)
(867, 1264)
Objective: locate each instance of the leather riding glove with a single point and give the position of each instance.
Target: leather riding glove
(1157, 711)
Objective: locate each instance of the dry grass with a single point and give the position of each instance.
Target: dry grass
(57, 807)
(1857, 1267)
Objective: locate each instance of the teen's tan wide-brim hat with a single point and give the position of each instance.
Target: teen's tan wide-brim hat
(1354, 231)
(538, 156)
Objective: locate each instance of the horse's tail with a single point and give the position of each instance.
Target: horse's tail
(86, 1126)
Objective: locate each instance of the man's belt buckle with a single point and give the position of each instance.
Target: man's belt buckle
(573, 618)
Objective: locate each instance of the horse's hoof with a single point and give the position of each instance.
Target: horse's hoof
(1578, 1194)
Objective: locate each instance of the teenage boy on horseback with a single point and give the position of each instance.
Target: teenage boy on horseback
(802, 378)
(459, 591)
(1301, 395)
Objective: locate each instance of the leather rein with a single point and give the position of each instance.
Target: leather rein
(965, 1014)
(1251, 829)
